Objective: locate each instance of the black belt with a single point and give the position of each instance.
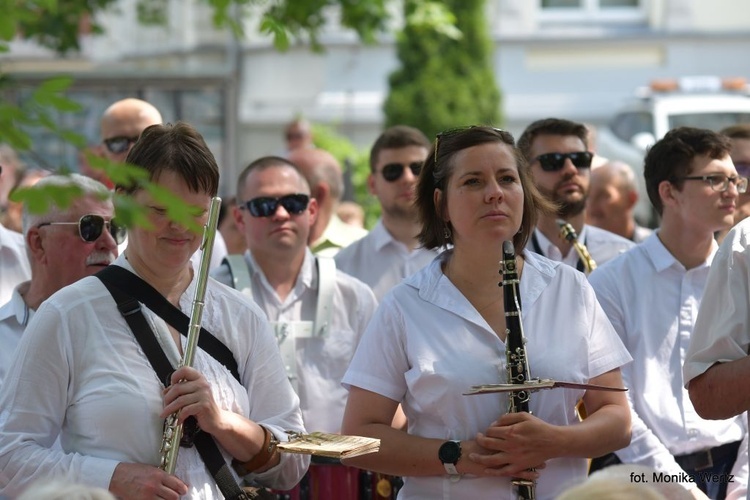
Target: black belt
(706, 459)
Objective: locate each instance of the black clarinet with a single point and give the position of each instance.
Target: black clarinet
(515, 351)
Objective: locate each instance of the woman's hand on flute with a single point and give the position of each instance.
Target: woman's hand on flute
(139, 481)
(190, 393)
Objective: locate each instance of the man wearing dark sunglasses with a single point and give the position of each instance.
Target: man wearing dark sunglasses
(557, 154)
(391, 251)
(318, 312)
(63, 245)
(122, 124)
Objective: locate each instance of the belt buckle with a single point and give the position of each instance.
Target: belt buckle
(709, 461)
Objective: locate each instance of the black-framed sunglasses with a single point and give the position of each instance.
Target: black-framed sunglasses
(119, 144)
(393, 171)
(90, 228)
(551, 162)
(266, 206)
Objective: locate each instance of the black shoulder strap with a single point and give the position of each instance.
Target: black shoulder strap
(207, 448)
(118, 277)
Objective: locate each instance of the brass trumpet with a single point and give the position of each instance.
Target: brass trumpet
(170, 444)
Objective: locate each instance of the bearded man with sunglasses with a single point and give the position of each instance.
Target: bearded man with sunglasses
(318, 313)
(391, 251)
(558, 157)
(63, 245)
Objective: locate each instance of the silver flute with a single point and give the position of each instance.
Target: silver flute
(170, 444)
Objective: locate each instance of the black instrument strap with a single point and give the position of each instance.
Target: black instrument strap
(207, 448)
(538, 249)
(116, 276)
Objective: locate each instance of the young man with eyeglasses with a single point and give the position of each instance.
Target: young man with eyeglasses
(391, 251)
(63, 246)
(318, 312)
(558, 157)
(652, 294)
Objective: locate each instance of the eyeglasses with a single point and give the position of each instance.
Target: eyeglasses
(119, 144)
(720, 182)
(90, 227)
(393, 171)
(552, 162)
(266, 206)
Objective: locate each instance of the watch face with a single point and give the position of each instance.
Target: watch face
(449, 452)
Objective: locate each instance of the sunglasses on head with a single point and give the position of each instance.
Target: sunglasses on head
(90, 228)
(393, 171)
(552, 162)
(266, 206)
(119, 144)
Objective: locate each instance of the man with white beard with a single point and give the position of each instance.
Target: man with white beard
(63, 245)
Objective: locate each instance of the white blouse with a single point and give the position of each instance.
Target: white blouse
(426, 345)
(80, 374)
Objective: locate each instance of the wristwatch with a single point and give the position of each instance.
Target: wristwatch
(449, 454)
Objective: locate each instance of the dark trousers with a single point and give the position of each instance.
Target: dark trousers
(710, 469)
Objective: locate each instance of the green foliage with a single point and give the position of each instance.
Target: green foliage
(444, 80)
(359, 159)
(37, 111)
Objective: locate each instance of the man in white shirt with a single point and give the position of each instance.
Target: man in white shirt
(652, 293)
(318, 313)
(63, 245)
(391, 251)
(557, 154)
(328, 233)
(14, 263)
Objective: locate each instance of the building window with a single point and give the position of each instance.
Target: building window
(593, 10)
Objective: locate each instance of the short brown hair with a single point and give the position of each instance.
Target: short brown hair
(395, 137)
(177, 148)
(550, 126)
(670, 159)
(438, 168)
(263, 163)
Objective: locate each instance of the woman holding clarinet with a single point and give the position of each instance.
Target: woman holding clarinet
(444, 330)
(86, 374)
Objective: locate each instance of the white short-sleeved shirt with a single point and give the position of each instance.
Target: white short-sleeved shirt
(381, 261)
(722, 330)
(80, 375)
(601, 244)
(652, 301)
(321, 361)
(14, 316)
(14, 263)
(426, 345)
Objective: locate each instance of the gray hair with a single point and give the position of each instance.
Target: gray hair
(89, 186)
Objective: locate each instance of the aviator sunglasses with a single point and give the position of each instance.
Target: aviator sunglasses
(551, 162)
(266, 206)
(119, 144)
(393, 171)
(91, 226)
